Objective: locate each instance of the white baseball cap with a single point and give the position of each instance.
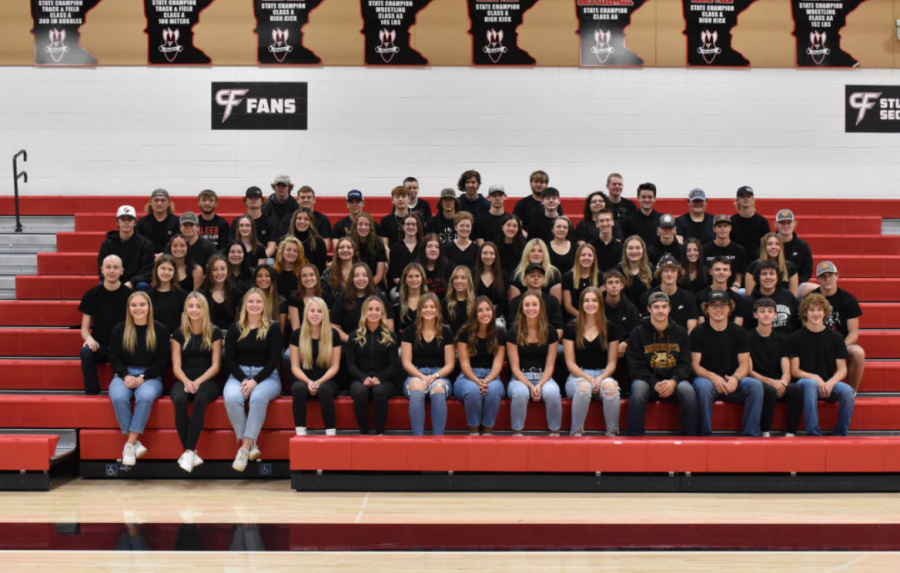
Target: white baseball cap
(125, 211)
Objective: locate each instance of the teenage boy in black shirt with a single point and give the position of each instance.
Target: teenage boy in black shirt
(280, 205)
(796, 249)
(356, 204)
(471, 200)
(135, 253)
(534, 280)
(696, 223)
(201, 249)
(721, 358)
(843, 318)
(529, 208)
(619, 310)
(622, 208)
(819, 362)
(442, 222)
(720, 275)
(212, 227)
(306, 197)
(645, 221)
(771, 365)
(160, 222)
(102, 307)
(541, 226)
(787, 315)
(747, 226)
(659, 362)
(723, 246)
(682, 302)
(392, 223)
(266, 229)
(488, 226)
(420, 208)
(606, 245)
(665, 243)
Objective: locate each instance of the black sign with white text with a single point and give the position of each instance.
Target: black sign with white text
(601, 26)
(872, 109)
(817, 26)
(494, 36)
(708, 25)
(386, 26)
(259, 105)
(56, 36)
(279, 31)
(170, 31)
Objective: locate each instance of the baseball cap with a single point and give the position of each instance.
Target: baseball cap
(125, 211)
(658, 296)
(534, 267)
(784, 215)
(188, 218)
(826, 267)
(354, 194)
(496, 189)
(448, 192)
(282, 180)
(697, 194)
(717, 296)
(666, 260)
(667, 222)
(745, 190)
(159, 193)
(253, 192)
(721, 219)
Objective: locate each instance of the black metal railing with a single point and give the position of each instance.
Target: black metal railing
(17, 176)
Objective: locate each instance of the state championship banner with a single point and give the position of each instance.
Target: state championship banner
(708, 25)
(56, 35)
(386, 26)
(601, 27)
(279, 31)
(817, 26)
(170, 31)
(494, 36)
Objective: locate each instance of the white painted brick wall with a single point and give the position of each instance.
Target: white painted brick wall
(112, 130)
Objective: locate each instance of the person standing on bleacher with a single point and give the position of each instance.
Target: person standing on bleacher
(280, 206)
(160, 222)
(212, 227)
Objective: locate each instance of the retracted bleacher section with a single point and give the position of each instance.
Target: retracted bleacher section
(40, 388)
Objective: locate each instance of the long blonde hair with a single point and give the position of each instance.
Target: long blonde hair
(764, 255)
(450, 296)
(279, 255)
(438, 323)
(581, 321)
(550, 272)
(326, 345)
(593, 273)
(244, 320)
(383, 328)
(404, 289)
(205, 323)
(645, 275)
(129, 339)
(521, 323)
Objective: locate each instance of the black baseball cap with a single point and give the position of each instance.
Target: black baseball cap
(253, 192)
(717, 296)
(745, 190)
(535, 267)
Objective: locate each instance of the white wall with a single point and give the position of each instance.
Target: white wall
(130, 130)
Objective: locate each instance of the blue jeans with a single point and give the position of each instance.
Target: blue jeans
(438, 404)
(144, 396)
(749, 391)
(581, 401)
(642, 392)
(249, 425)
(519, 394)
(841, 393)
(481, 410)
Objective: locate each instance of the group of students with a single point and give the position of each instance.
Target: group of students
(436, 315)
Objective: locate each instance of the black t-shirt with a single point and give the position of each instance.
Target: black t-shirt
(428, 354)
(623, 209)
(510, 256)
(748, 231)
(498, 297)
(788, 265)
(643, 225)
(787, 315)
(690, 229)
(286, 283)
(551, 304)
(422, 209)
(568, 284)
(609, 255)
(266, 230)
(798, 252)
(201, 251)
(436, 281)
(624, 315)
(392, 228)
(594, 355)
(733, 252)
(442, 227)
(159, 232)
(487, 227)
(767, 352)
(656, 250)
(106, 309)
(720, 349)
(482, 358)
(457, 256)
(533, 355)
(530, 210)
(844, 306)
(460, 315)
(316, 371)
(323, 225)
(222, 314)
(167, 307)
(563, 263)
(635, 291)
(400, 257)
(348, 320)
(541, 227)
(703, 296)
(194, 359)
(818, 351)
(683, 306)
(372, 255)
(215, 230)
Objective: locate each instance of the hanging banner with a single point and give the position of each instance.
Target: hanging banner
(170, 31)
(817, 26)
(494, 36)
(259, 105)
(872, 109)
(56, 36)
(386, 26)
(708, 25)
(279, 31)
(601, 26)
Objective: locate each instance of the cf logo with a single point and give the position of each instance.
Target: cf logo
(863, 101)
(229, 99)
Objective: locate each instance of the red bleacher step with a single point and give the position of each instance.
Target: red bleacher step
(60, 287)
(165, 445)
(27, 452)
(39, 313)
(67, 263)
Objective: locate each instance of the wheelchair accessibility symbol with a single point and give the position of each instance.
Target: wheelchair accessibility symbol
(265, 469)
(112, 470)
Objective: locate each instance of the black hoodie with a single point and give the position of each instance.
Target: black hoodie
(136, 254)
(654, 356)
(278, 213)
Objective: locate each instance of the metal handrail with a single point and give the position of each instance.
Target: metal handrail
(18, 176)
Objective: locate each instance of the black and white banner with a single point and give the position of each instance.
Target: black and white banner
(494, 36)
(386, 26)
(56, 36)
(279, 31)
(708, 25)
(259, 105)
(872, 109)
(601, 26)
(817, 26)
(170, 31)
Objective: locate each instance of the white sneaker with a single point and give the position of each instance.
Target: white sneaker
(128, 458)
(197, 459)
(301, 430)
(789, 435)
(255, 454)
(240, 460)
(766, 435)
(186, 461)
(139, 449)
(331, 432)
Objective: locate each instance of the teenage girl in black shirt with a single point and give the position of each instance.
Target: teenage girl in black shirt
(460, 298)
(165, 294)
(315, 360)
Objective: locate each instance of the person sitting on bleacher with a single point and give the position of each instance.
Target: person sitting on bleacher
(481, 346)
(102, 307)
(618, 309)
(138, 354)
(665, 243)
(719, 278)
(279, 206)
(165, 294)
(748, 226)
(696, 223)
(306, 196)
(315, 352)
(819, 363)
(201, 249)
(211, 226)
(684, 311)
(796, 249)
(723, 246)
(160, 222)
(135, 253)
(787, 318)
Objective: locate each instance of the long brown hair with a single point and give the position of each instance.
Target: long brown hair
(645, 275)
(450, 296)
(764, 255)
(438, 323)
(404, 289)
(161, 260)
(254, 241)
(334, 269)
(313, 232)
(582, 319)
(371, 238)
(301, 290)
(495, 269)
(209, 283)
(350, 290)
(472, 325)
(521, 323)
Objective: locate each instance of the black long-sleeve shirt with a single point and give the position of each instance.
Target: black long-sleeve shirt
(154, 363)
(159, 232)
(373, 358)
(251, 351)
(654, 356)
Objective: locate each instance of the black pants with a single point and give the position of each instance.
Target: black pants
(326, 393)
(380, 395)
(89, 362)
(189, 427)
(793, 395)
